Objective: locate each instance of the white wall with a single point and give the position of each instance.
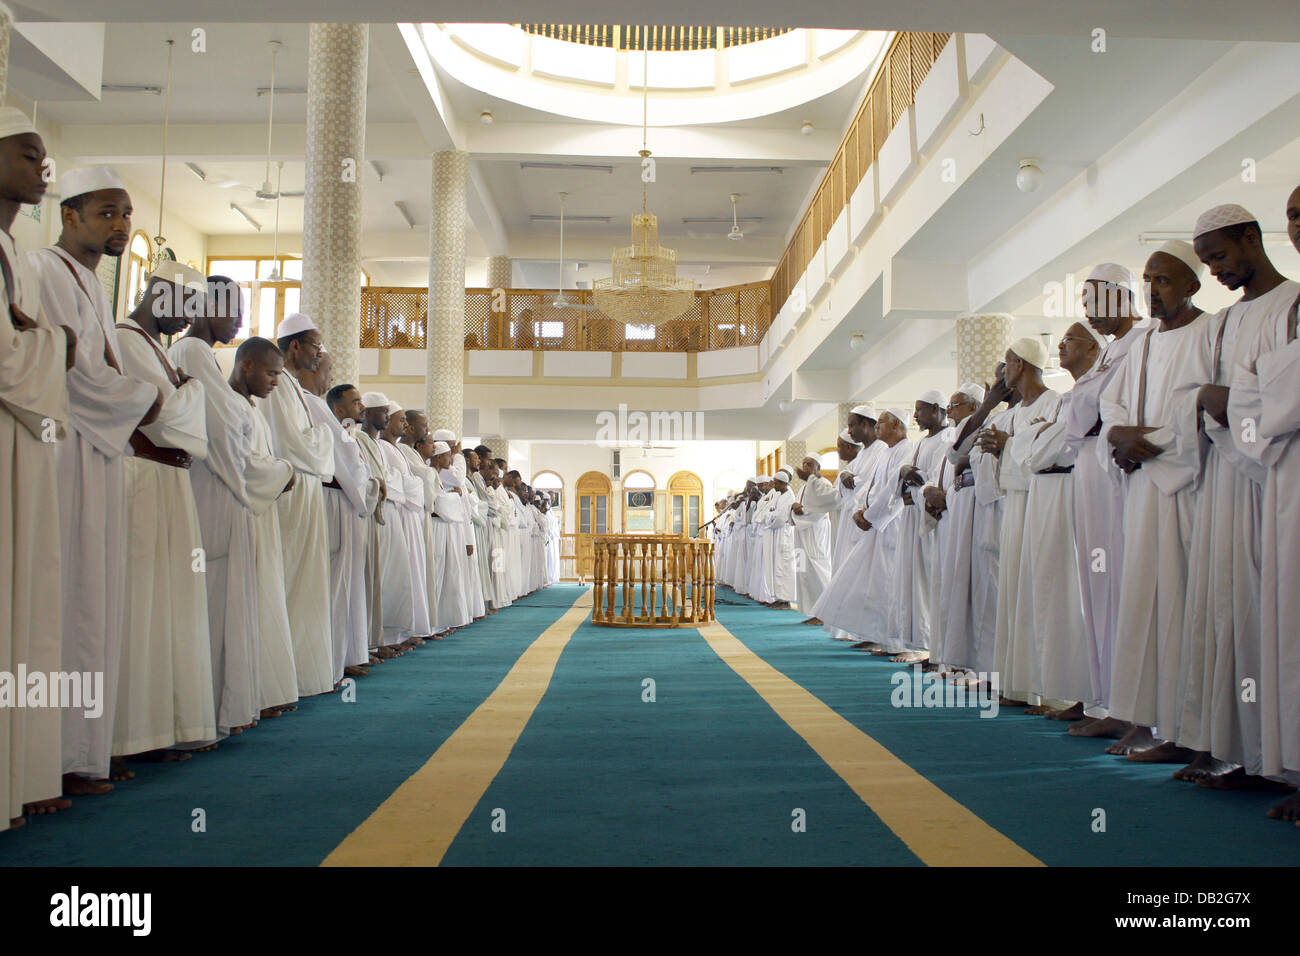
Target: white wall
(710, 460)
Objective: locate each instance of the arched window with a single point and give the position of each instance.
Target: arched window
(551, 485)
(140, 254)
(638, 502)
(829, 458)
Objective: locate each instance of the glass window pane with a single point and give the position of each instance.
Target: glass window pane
(602, 505)
(265, 311)
(584, 516)
(241, 270)
(695, 517)
(639, 331)
(292, 269)
(292, 295)
(677, 514)
(552, 330)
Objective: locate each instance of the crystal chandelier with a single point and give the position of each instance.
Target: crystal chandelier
(643, 288)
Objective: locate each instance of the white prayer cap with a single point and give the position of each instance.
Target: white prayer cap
(394, 408)
(1111, 273)
(14, 122)
(1184, 252)
(1229, 214)
(444, 434)
(784, 474)
(934, 397)
(849, 439)
(185, 276)
(374, 400)
(903, 415)
(866, 411)
(972, 391)
(1096, 336)
(441, 448)
(1031, 350)
(88, 179)
(293, 324)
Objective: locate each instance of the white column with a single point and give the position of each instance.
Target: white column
(444, 385)
(337, 60)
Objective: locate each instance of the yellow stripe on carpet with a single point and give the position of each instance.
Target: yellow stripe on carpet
(934, 826)
(416, 824)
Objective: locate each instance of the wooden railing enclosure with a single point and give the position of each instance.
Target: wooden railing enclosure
(655, 38)
(652, 581)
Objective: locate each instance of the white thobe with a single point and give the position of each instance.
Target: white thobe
(986, 546)
(240, 480)
(396, 600)
(1266, 391)
(1099, 496)
(105, 407)
(165, 681)
(453, 481)
(779, 538)
(33, 414)
(760, 572)
(856, 602)
(916, 544)
(812, 531)
(348, 508)
(951, 617)
(483, 543)
(1223, 622)
(410, 497)
(1013, 649)
(1159, 505)
(449, 555)
(1048, 569)
(304, 531)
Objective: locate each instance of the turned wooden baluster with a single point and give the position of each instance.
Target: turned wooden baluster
(597, 589)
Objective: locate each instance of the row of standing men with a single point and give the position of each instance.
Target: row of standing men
(1122, 556)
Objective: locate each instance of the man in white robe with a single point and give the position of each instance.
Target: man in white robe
(449, 538)
(760, 573)
(165, 681)
(856, 602)
(1013, 647)
(458, 482)
(397, 600)
(913, 585)
(350, 498)
(35, 355)
(1099, 490)
(812, 528)
(475, 463)
(106, 408)
(309, 447)
(410, 519)
(1223, 648)
(950, 502)
(1049, 557)
(417, 447)
(779, 540)
(858, 458)
(1156, 441)
(1265, 388)
(498, 507)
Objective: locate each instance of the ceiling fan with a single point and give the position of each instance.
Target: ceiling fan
(735, 233)
(560, 302)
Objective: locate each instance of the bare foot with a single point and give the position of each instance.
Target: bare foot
(203, 750)
(159, 756)
(117, 771)
(40, 807)
(1073, 712)
(928, 666)
(1240, 780)
(1008, 702)
(909, 657)
(75, 785)
(813, 620)
(1037, 710)
(269, 712)
(1288, 809)
(780, 605)
(17, 823)
(1164, 752)
(1138, 738)
(285, 708)
(387, 653)
(355, 670)
(862, 645)
(882, 652)
(1203, 766)
(1105, 727)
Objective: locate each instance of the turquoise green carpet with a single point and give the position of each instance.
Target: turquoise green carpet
(707, 773)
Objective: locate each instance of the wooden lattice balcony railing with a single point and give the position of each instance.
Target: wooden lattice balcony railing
(907, 61)
(393, 317)
(656, 38)
(650, 580)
